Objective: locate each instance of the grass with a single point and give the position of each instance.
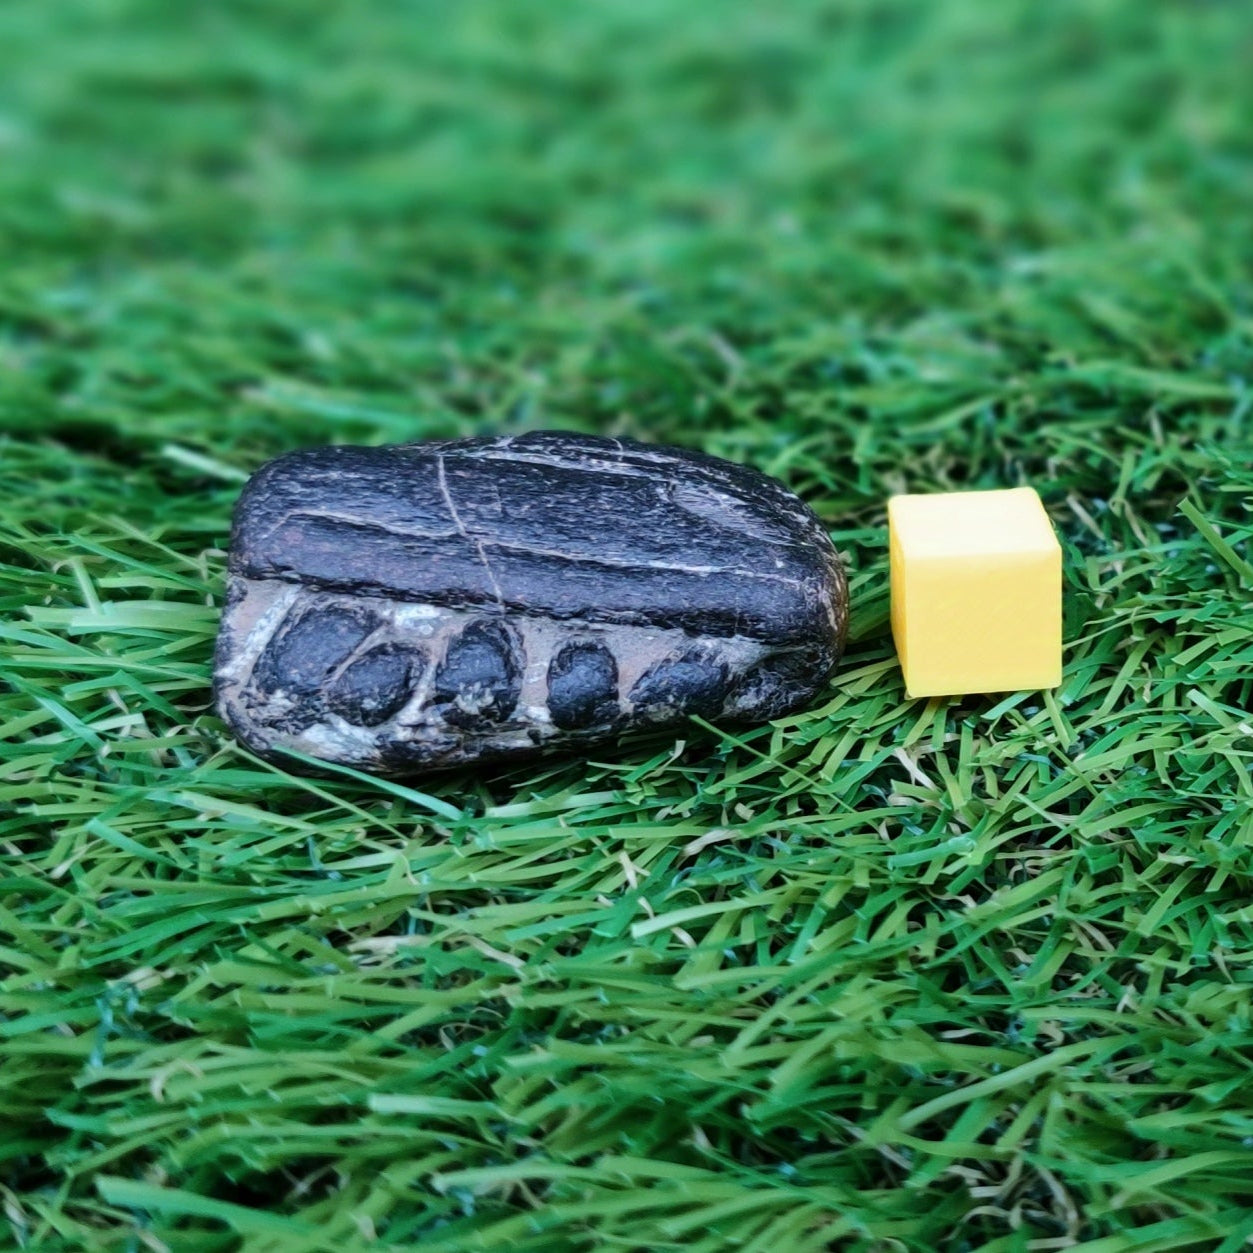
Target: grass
(886, 975)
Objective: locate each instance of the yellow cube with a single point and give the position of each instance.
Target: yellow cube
(976, 592)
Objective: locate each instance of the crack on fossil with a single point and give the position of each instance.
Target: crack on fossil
(442, 477)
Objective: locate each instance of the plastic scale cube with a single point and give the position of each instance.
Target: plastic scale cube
(976, 592)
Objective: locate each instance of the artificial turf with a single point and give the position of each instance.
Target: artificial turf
(886, 975)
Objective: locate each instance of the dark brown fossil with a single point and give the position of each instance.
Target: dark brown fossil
(425, 605)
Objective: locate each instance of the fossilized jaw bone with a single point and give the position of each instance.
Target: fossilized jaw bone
(428, 605)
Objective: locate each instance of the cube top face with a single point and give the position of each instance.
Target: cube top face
(972, 524)
(976, 592)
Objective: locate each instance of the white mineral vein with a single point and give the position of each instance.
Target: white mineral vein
(349, 519)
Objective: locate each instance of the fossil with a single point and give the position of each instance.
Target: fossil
(426, 605)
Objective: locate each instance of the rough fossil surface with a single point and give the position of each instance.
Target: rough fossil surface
(427, 605)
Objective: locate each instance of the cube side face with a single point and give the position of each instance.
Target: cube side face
(991, 625)
(898, 591)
